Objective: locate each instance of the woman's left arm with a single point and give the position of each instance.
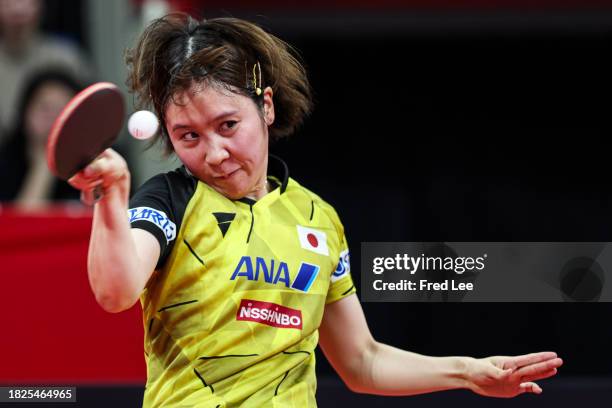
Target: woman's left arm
(368, 366)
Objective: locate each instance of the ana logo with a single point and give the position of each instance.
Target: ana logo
(269, 314)
(276, 272)
(344, 266)
(313, 240)
(159, 218)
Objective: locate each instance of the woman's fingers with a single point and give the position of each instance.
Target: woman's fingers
(530, 387)
(540, 376)
(80, 182)
(537, 369)
(528, 359)
(103, 171)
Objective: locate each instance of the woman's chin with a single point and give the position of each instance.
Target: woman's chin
(231, 192)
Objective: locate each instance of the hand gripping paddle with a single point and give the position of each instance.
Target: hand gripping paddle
(89, 124)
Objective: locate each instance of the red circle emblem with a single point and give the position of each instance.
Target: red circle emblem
(312, 240)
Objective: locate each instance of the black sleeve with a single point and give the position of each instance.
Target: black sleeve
(158, 207)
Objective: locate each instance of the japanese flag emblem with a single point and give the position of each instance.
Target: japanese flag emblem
(313, 240)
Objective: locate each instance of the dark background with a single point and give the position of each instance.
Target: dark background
(483, 135)
(477, 124)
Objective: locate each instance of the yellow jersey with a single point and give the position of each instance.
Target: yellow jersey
(231, 313)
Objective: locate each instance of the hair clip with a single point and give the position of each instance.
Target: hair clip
(257, 88)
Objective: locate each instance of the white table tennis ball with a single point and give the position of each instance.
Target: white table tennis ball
(143, 124)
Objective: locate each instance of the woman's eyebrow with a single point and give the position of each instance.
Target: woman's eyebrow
(216, 118)
(179, 126)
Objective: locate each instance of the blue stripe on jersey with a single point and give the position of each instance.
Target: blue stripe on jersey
(306, 275)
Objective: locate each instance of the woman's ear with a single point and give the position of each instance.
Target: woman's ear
(268, 106)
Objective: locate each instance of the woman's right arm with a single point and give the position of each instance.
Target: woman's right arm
(120, 259)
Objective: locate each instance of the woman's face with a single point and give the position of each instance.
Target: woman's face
(18, 15)
(222, 138)
(46, 104)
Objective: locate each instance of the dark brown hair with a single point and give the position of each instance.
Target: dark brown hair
(176, 51)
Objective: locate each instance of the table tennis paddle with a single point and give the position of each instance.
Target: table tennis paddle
(89, 124)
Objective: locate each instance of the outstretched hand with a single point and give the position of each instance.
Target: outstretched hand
(506, 377)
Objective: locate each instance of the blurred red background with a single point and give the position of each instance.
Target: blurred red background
(53, 331)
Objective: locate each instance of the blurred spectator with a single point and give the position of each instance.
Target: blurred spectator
(24, 50)
(24, 176)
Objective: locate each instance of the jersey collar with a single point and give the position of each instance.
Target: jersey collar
(278, 171)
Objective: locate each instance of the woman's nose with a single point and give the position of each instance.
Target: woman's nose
(216, 153)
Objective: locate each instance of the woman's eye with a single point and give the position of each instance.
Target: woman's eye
(189, 136)
(228, 125)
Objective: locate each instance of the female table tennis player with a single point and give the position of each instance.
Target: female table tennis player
(240, 270)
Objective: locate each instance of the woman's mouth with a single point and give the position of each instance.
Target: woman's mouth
(226, 176)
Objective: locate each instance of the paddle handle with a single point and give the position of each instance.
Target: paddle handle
(90, 197)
